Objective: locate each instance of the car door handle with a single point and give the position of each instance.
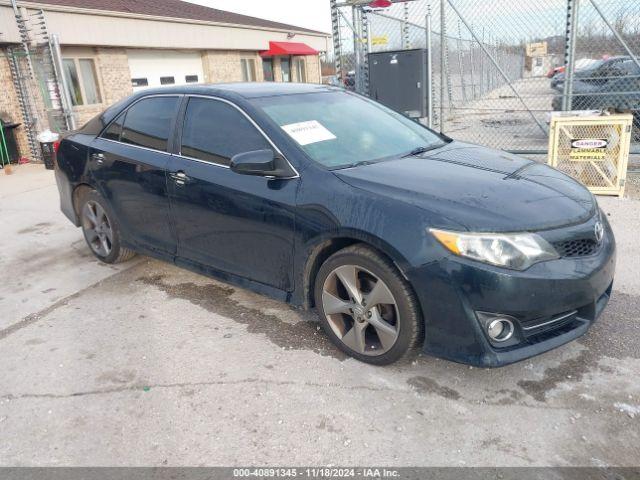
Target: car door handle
(98, 157)
(180, 178)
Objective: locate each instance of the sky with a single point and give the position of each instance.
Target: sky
(313, 14)
(509, 20)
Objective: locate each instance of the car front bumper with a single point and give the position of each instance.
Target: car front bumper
(552, 303)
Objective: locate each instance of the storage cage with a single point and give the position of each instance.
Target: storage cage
(593, 150)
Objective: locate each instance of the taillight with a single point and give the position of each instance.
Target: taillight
(56, 146)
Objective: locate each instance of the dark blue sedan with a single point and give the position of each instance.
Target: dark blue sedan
(399, 236)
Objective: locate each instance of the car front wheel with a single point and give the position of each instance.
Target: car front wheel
(366, 307)
(100, 229)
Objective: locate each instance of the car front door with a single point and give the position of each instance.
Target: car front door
(129, 164)
(238, 224)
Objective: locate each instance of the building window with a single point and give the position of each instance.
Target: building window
(300, 70)
(248, 66)
(139, 82)
(82, 81)
(267, 69)
(285, 67)
(191, 78)
(167, 80)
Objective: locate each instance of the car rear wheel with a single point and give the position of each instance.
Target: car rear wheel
(101, 230)
(366, 307)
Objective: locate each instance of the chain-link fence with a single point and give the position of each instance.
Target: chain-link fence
(501, 69)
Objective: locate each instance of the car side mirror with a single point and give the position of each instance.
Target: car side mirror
(263, 163)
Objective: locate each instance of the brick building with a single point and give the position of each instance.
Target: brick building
(111, 48)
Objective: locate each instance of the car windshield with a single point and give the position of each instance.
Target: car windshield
(338, 129)
(594, 66)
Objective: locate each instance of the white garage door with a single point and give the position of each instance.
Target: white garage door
(156, 68)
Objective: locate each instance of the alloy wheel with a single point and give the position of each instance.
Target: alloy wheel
(97, 228)
(361, 310)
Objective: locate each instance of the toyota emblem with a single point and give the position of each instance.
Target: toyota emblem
(599, 231)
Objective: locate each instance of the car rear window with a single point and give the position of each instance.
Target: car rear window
(148, 123)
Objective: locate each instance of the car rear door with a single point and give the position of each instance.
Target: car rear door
(239, 224)
(129, 164)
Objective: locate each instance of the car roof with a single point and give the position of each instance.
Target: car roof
(245, 89)
(616, 58)
(235, 92)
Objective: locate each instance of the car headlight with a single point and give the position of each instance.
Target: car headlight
(517, 251)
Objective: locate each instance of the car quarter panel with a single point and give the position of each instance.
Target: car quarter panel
(72, 170)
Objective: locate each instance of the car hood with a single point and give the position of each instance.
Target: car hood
(480, 188)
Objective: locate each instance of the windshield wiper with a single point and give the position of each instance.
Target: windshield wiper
(357, 164)
(420, 150)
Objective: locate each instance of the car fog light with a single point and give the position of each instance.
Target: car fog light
(500, 329)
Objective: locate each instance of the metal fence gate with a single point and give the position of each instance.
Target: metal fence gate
(491, 61)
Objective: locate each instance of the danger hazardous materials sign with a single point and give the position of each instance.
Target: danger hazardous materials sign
(588, 149)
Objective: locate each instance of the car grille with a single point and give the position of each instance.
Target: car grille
(576, 248)
(547, 324)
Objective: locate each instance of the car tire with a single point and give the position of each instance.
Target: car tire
(100, 228)
(360, 330)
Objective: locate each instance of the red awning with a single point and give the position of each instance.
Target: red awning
(288, 48)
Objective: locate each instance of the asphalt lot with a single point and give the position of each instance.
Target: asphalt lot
(148, 364)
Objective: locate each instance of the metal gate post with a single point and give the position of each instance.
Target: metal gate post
(429, 69)
(463, 85)
(406, 39)
(571, 35)
(365, 45)
(356, 46)
(443, 39)
(337, 47)
(482, 68)
(473, 70)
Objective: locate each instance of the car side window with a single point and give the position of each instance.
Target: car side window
(215, 131)
(148, 123)
(114, 130)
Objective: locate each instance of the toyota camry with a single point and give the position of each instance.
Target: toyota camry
(399, 236)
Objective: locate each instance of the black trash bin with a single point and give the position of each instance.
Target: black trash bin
(47, 140)
(9, 129)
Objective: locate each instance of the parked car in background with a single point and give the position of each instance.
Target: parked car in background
(618, 95)
(580, 63)
(555, 70)
(398, 235)
(599, 72)
(332, 80)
